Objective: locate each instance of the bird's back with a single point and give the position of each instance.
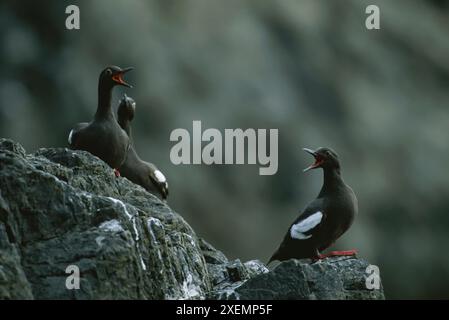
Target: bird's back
(299, 248)
(144, 174)
(132, 167)
(336, 214)
(104, 139)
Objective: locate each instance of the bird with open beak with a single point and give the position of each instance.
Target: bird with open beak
(103, 137)
(326, 218)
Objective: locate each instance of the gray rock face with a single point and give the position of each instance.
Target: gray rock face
(337, 278)
(61, 209)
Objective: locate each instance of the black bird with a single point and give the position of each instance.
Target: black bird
(135, 169)
(103, 137)
(325, 219)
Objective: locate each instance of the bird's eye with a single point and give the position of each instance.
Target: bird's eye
(108, 72)
(328, 153)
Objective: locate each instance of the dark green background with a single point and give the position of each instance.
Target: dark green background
(309, 68)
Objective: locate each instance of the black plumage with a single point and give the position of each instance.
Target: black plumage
(326, 218)
(135, 169)
(103, 137)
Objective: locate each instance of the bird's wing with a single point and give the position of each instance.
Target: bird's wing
(159, 180)
(308, 222)
(303, 228)
(74, 132)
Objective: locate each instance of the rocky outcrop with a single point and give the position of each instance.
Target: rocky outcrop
(62, 209)
(337, 278)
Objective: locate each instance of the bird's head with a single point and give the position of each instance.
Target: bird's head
(324, 158)
(113, 76)
(126, 108)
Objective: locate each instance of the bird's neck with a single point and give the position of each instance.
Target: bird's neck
(332, 181)
(104, 109)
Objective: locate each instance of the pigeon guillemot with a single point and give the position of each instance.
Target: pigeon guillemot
(103, 137)
(135, 169)
(325, 219)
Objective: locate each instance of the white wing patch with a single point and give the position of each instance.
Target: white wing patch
(159, 176)
(297, 231)
(70, 137)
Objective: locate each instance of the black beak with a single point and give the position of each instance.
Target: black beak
(317, 162)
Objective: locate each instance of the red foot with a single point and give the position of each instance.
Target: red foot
(338, 254)
(117, 173)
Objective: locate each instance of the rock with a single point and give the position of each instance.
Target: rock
(227, 277)
(211, 255)
(63, 210)
(337, 278)
(13, 282)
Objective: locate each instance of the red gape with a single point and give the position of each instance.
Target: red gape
(352, 252)
(117, 173)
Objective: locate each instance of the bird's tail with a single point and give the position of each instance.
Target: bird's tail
(273, 257)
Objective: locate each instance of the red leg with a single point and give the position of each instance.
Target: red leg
(117, 173)
(338, 254)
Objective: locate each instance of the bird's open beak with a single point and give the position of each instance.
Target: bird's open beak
(118, 77)
(318, 160)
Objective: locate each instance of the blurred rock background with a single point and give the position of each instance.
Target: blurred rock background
(307, 67)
